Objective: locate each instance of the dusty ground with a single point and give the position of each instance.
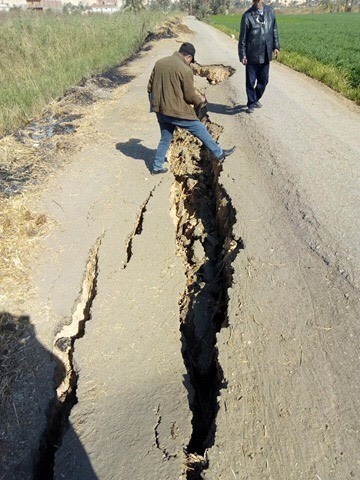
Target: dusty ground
(204, 324)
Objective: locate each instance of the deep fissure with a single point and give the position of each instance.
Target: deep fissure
(206, 217)
(66, 377)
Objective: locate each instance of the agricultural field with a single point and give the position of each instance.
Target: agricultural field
(324, 46)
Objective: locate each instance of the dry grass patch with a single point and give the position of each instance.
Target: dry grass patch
(20, 229)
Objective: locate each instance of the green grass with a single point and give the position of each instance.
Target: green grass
(42, 55)
(324, 46)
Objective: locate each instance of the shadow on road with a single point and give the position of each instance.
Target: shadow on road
(225, 109)
(72, 461)
(32, 421)
(134, 149)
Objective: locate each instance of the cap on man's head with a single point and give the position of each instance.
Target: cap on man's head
(187, 49)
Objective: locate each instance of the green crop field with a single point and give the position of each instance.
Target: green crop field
(324, 46)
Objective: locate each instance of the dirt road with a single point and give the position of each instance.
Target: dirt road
(209, 318)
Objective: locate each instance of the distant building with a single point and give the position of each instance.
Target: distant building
(34, 4)
(53, 4)
(104, 9)
(106, 6)
(101, 6)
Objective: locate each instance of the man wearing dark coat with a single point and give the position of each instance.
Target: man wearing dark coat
(258, 43)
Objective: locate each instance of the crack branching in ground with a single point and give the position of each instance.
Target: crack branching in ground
(157, 444)
(208, 247)
(138, 227)
(66, 376)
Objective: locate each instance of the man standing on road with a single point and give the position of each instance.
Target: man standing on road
(258, 41)
(173, 98)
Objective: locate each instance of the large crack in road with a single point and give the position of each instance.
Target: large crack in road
(135, 423)
(207, 244)
(66, 377)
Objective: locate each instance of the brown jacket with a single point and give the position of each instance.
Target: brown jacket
(172, 90)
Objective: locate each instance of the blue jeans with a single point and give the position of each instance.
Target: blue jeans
(257, 77)
(167, 126)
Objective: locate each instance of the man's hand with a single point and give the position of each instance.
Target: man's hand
(244, 61)
(203, 99)
(276, 53)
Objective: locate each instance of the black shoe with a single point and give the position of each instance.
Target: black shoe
(250, 110)
(257, 105)
(227, 153)
(157, 172)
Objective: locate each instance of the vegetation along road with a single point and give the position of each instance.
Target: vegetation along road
(204, 323)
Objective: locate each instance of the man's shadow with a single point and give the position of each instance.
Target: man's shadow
(225, 109)
(33, 426)
(134, 149)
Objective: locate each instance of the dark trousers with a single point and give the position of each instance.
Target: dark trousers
(257, 77)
